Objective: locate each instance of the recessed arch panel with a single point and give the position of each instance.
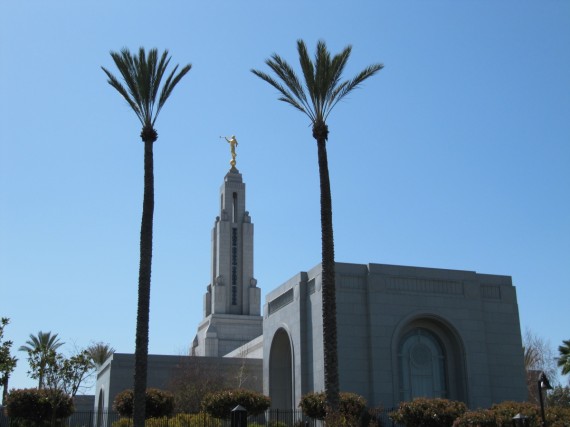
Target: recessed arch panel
(281, 371)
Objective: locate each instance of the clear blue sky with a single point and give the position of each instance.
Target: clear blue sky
(454, 156)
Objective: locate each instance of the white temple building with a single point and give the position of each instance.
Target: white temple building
(403, 332)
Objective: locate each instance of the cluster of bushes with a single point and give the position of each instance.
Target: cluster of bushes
(160, 405)
(423, 412)
(32, 406)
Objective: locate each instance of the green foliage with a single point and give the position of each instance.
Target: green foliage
(38, 405)
(478, 418)
(194, 420)
(564, 359)
(505, 411)
(314, 405)
(422, 412)
(351, 406)
(7, 362)
(557, 416)
(180, 420)
(99, 353)
(159, 403)
(123, 422)
(57, 372)
(40, 346)
(559, 396)
(220, 404)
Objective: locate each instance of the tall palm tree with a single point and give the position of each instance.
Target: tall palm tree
(142, 75)
(99, 353)
(564, 359)
(43, 343)
(322, 90)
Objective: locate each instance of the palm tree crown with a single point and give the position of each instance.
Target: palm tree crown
(99, 353)
(564, 359)
(322, 90)
(43, 341)
(143, 75)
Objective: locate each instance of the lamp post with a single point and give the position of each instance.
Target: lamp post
(543, 384)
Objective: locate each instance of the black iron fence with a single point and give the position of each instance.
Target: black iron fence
(271, 418)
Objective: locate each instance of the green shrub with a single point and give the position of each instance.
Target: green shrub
(194, 420)
(558, 416)
(351, 406)
(38, 406)
(220, 404)
(505, 411)
(558, 396)
(180, 420)
(478, 418)
(123, 422)
(422, 412)
(159, 403)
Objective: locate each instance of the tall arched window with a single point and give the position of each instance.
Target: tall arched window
(422, 365)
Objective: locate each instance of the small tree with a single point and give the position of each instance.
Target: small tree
(7, 362)
(59, 372)
(41, 344)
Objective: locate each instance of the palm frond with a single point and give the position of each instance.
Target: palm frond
(286, 95)
(113, 81)
(286, 73)
(170, 84)
(345, 89)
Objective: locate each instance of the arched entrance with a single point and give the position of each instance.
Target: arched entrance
(430, 360)
(281, 371)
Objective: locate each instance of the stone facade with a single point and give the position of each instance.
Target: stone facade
(402, 332)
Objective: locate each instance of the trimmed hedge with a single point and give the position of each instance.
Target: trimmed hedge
(422, 412)
(220, 404)
(351, 405)
(159, 403)
(32, 404)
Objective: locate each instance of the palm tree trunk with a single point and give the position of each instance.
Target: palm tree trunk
(320, 132)
(143, 309)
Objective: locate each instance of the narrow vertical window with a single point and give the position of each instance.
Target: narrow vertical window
(234, 208)
(234, 265)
